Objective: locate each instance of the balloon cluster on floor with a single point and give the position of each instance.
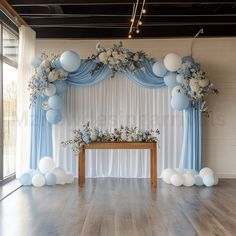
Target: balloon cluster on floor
(187, 81)
(181, 177)
(48, 174)
(49, 81)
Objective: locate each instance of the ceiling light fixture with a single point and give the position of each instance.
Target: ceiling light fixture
(134, 16)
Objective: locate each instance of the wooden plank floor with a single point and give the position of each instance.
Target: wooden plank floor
(120, 207)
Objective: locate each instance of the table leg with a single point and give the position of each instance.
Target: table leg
(82, 166)
(154, 158)
(151, 165)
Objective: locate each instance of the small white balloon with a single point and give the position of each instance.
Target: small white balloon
(189, 180)
(172, 62)
(46, 164)
(167, 174)
(93, 136)
(206, 171)
(216, 180)
(203, 82)
(38, 180)
(60, 174)
(50, 90)
(208, 180)
(177, 180)
(69, 178)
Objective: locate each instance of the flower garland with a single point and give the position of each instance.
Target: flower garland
(47, 71)
(122, 134)
(118, 58)
(195, 84)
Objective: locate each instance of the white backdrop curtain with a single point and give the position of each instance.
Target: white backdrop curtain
(111, 103)
(26, 53)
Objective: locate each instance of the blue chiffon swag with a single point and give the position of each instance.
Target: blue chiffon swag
(41, 130)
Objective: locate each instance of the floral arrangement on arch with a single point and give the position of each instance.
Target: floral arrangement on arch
(118, 58)
(47, 71)
(122, 134)
(194, 82)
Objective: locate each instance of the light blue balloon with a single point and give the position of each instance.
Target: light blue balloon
(51, 179)
(61, 86)
(180, 78)
(187, 59)
(53, 116)
(180, 101)
(198, 180)
(55, 102)
(36, 62)
(26, 179)
(193, 172)
(70, 61)
(159, 69)
(170, 80)
(56, 63)
(208, 180)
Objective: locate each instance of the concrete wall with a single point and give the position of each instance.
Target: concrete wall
(218, 58)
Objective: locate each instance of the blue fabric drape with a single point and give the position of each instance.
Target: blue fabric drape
(41, 130)
(41, 134)
(192, 145)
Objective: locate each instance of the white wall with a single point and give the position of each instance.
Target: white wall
(218, 58)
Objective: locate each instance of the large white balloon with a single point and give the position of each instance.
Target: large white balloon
(50, 90)
(38, 180)
(167, 174)
(206, 171)
(189, 180)
(177, 180)
(60, 174)
(172, 62)
(46, 164)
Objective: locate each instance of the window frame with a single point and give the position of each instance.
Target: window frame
(8, 61)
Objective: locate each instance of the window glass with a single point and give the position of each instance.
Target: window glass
(10, 45)
(9, 119)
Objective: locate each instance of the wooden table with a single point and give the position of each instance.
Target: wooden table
(120, 145)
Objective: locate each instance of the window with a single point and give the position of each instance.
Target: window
(8, 101)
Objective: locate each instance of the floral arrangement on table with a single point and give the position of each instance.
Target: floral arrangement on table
(47, 71)
(122, 134)
(195, 84)
(118, 58)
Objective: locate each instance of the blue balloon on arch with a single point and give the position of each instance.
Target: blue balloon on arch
(70, 61)
(188, 59)
(180, 101)
(170, 80)
(53, 116)
(159, 69)
(61, 86)
(55, 102)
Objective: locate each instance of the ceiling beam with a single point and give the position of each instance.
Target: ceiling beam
(111, 2)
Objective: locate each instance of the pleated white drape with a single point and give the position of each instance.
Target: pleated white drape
(111, 103)
(26, 53)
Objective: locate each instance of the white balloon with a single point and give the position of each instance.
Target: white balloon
(38, 180)
(216, 180)
(180, 171)
(206, 171)
(93, 136)
(177, 180)
(189, 180)
(46, 164)
(60, 174)
(167, 174)
(50, 90)
(172, 62)
(69, 178)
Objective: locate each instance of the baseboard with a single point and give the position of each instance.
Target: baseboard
(226, 176)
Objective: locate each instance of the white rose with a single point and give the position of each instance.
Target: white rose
(112, 60)
(135, 57)
(124, 137)
(193, 82)
(46, 64)
(195, 87)
(93, 136)
(51, 76)
(109, 52)
(203, 82)
(103, 57)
